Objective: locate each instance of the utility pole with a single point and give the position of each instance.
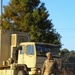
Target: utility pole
(0, 12)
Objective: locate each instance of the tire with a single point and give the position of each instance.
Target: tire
(22, 72)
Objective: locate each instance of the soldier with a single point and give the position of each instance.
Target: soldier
(49, 65)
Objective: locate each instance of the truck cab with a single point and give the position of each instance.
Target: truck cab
(32, 54)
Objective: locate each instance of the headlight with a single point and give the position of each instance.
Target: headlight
(38, 71)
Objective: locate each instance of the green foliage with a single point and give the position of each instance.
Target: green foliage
(68, 56)
(30, 16)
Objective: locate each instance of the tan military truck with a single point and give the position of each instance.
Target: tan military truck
(18, 56)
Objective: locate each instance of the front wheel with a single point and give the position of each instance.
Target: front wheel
(22, 72)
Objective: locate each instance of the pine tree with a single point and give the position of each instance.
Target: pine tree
(30, 16)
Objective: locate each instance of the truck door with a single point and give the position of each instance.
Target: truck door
(30, 56)
(21, 55)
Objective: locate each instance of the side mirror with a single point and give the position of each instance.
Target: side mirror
(20, 48)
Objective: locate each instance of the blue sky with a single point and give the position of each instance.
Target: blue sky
(62, 13)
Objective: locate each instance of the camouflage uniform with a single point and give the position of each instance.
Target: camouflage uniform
(48, 67)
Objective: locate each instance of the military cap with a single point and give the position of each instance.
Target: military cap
(48, 54)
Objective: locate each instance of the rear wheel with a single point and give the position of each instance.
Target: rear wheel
(22, 72)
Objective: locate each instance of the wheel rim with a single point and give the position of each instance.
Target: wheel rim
(22, 72)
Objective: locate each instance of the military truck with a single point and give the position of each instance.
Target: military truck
(19, 56)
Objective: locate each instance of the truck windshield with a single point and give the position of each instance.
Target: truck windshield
(42, 49)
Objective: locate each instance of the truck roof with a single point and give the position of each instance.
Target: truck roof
(41, 43)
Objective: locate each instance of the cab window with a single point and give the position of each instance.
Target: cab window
(30, 50)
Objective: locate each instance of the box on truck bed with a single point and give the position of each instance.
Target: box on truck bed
(7, 39)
